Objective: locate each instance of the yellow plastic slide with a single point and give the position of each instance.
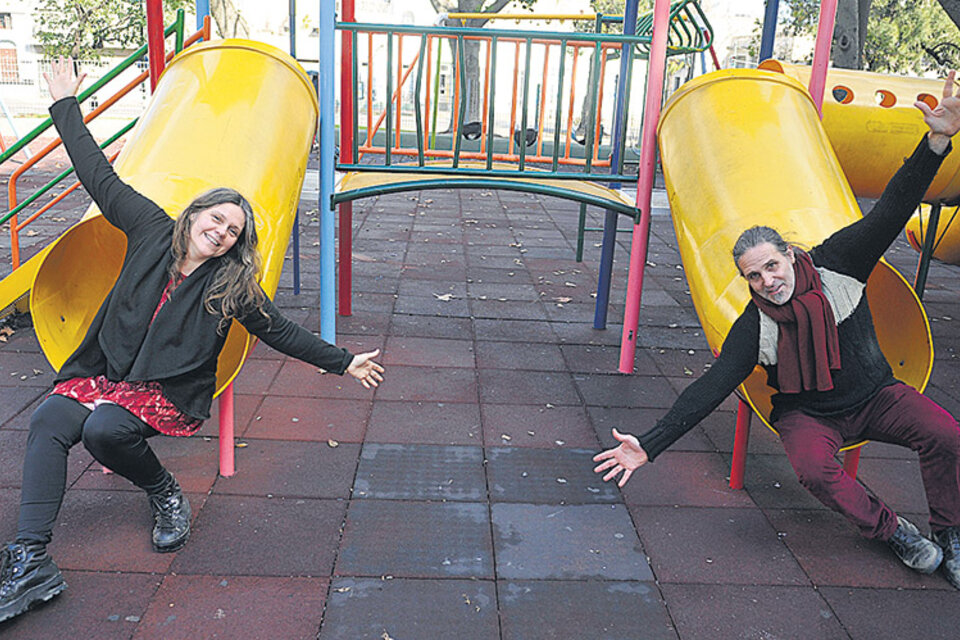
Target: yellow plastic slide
(873, 125)
(232, 113)
(746, 147)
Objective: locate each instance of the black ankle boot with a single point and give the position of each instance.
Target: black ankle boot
(171, 517)
(27, 576)
(916, 551)
(949, 541)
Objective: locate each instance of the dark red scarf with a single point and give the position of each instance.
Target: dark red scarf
(808, 347)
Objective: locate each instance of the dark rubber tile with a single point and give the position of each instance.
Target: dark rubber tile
(711, 611)
(532, 356)
(374, 609)
(546, 476)
(500, 386)
(773, 484)
(188, 607)
(894, 613)
(544, 610)
(425, 423)
(511, 330)
(604, 359)
(239, 535)
(420, 472)
(573, 542)
(625, 391)
(418, 326)
(319, 419)
(425, 540)
(896, 482)
(18, 398)
(13, 445)
(715, 546)
(102, 605)
(292, 469)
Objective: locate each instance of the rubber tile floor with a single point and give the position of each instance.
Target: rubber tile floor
(457, 500)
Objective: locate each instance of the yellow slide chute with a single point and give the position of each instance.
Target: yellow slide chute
(746, 147)
(233, 113)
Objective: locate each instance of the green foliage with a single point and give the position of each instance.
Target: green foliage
(897, 32)
(82, 28)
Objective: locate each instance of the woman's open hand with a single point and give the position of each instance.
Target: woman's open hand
(944, 120)
(364, 369)
(62, 81)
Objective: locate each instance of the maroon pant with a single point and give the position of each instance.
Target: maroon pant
(898, 414)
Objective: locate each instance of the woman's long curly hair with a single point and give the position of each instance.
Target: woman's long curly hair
(235, 290)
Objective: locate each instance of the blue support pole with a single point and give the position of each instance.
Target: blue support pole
(203, 9)
(769, 30)
(296, 217)
(328, 315)
(612, 217)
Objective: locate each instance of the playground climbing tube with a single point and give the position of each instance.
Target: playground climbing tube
(232, 113)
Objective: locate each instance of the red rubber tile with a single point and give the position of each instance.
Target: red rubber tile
(300, 379)
(428, 384)
(109, 531)
(710, 611)
(374, 609)
(317, 419)
(537, 426)
(98, 605)
(244, 408)
(188, 607)
(428, 352)
(541, 610)
(424, 423)
(831, 552)
(238, 535)
(292, 469)
(426, 540)
(255, 376)
(715, 546)
(691, 479)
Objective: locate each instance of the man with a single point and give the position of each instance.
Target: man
(809, 325)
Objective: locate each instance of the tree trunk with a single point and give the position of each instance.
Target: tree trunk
(849, 33)
(952, 7)
(230, 24)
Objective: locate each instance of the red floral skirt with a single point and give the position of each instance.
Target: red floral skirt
(145, 400)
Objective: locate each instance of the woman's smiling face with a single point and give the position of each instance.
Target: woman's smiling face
(215, 230)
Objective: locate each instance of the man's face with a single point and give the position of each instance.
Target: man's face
(769, 272)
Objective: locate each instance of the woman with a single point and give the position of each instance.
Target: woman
(148, 362)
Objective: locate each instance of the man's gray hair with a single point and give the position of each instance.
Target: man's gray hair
(755, 236)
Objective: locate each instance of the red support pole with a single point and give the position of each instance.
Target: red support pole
(851, 461)
(741, 441)
(346, 155)
(155, 41)
(648, 161)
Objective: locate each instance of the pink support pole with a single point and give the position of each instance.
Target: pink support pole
(155, 41)
(648, 160)
(821, 52)
(226, 432)
(741, 441)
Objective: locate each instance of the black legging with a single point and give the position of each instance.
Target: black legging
(114, 436)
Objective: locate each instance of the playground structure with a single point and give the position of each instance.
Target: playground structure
(772, 115)
(493, 152)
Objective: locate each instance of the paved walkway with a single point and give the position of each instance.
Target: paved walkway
(457, 501)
